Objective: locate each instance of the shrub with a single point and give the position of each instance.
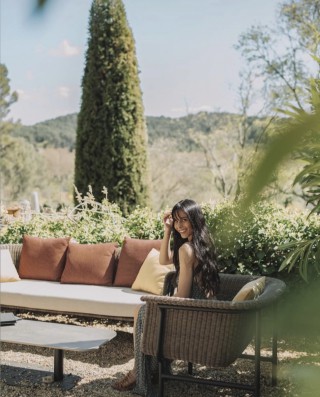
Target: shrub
(249, 245)
(144, 224)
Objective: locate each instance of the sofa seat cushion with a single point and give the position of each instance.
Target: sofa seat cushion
(73, 298)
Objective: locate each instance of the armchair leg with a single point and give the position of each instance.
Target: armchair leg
(275, 346)
(257, 354)
(161, 380)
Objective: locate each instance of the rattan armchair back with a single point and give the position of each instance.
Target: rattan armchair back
(208, 332)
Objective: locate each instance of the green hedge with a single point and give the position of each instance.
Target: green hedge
(249, 246)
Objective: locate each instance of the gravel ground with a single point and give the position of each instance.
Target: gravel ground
(95, 371)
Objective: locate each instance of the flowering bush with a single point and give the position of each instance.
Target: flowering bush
(88, 222)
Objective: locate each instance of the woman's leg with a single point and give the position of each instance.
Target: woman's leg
(128, 382)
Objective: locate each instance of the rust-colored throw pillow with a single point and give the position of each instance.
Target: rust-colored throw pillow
(90, 264)
(43, 258)
(133, 254)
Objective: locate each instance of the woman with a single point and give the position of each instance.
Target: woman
(197, 277)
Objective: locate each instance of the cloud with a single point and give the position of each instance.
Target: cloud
(65, 49)
(64, 91)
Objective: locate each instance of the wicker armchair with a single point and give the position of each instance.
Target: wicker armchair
(213, 333)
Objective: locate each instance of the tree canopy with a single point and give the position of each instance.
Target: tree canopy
(278, 55)
(19, 163)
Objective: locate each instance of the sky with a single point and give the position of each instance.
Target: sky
(185, 51)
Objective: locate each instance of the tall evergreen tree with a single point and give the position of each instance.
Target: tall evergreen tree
(111, 145)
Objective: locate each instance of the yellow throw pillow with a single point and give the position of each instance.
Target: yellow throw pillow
(8, 271)
(251, 290)
(151, 274)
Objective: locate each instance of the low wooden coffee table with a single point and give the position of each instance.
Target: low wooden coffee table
(59, 337)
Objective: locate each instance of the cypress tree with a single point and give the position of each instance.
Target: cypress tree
(111, 144)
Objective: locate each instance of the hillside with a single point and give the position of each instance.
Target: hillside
(58, 133)
(200, 156)
(61, 131)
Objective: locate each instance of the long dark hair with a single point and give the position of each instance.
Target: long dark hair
(204, 250)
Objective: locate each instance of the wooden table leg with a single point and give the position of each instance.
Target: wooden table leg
(58, 365)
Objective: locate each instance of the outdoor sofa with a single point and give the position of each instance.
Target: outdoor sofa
(96, 280)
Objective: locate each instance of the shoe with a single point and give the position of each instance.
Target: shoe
(128, 382)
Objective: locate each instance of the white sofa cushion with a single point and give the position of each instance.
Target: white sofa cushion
(8, 271)
(73, 298)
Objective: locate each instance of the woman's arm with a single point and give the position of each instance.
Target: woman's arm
(187, 261)
(165, 257)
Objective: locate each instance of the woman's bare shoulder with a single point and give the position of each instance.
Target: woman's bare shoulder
(187, 249)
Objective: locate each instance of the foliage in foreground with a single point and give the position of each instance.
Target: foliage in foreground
(249, 247)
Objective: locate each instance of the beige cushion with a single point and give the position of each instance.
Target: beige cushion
(251, 290)
(151, 274)
(90, 264)
(133, 253)
(43, 258)
(8, 271)
(71, 298)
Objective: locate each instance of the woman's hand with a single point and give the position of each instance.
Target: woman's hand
(165, 252)
(168, 220)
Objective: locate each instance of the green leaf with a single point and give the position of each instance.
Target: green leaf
(304, 264)
(279, 148)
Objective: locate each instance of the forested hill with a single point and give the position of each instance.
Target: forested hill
(58, 132)
(61, 131)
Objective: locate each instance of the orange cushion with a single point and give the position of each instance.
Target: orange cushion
(90, 264)
(43, 258)
(133, 254)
